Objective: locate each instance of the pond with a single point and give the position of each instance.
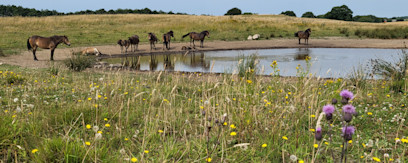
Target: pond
(325, 62)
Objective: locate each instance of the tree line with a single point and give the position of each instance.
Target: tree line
(337, 13)
(12, 10)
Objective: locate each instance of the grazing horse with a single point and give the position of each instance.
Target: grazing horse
(304, 34)
(134, 41)
(46, 43)
(198, 36)
(152, 39)
(123, 44)
(167, 38)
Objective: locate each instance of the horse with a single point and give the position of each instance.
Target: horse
(134, 41)
(304, 34)
(152, 39)
(197, 36)
(166, 39)
(123, 44)
(35, 42)
(91, 51)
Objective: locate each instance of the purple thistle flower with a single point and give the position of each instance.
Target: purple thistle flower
(347, 94)
(328, 109)
(349, 109)
(348, 132)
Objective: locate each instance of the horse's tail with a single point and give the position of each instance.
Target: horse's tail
(186, 35)
(28, 44)
(296, 34)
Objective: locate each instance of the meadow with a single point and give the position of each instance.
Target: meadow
(57, 115)
(89, 30)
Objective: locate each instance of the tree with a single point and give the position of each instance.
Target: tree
(340, 13)
(289, 13)
(234, 11)
(308, 15)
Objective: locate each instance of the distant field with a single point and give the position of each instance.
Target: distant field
(85, 30)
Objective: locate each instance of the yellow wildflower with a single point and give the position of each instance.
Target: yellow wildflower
(350, 141)
(369, 113)
(284, 138)
(376, 159)
(146, 151)
(99, 132)
(301, 161)
(264, 145)
(107, 125)
(126, 139)
(105, 119)
(90, 98)
(249, 81)
(327, 143)
(312, 130)
(225, 123)
(208, 159)
(315, 145)
(133, 159)
(34, 150)
(233, 133)
(232, 126)
(313, 116)
(160, 131)
(404, 140)
(88, 143)
(88, 126)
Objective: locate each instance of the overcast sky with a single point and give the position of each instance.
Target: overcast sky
(380, 8)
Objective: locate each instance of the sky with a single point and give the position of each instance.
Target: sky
(379, 8)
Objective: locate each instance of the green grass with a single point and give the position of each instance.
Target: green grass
(88, 30)
(163, 113)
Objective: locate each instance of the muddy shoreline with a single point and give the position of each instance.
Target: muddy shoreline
(25, 59)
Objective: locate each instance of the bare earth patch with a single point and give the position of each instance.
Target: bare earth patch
(26, 58)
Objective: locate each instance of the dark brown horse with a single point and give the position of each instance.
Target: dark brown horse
(166, 39)
(197, 36)
(134, 42)
(123, 44)
(304, 35)
(35, 42)
(152, 39)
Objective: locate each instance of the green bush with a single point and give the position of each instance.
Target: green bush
(78, 62)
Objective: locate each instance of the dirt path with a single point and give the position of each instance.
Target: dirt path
(26, 58)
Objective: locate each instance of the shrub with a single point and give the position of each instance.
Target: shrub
(308, 15)
(78, 62)
(234, 11)
(289, 13)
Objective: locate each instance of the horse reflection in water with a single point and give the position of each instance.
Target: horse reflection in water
(153, 63)
(199, 61)
(167, 63)
(302, 54)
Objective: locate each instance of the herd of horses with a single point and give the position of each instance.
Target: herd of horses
(35, 41)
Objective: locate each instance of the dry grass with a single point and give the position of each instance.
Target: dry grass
(86, 30)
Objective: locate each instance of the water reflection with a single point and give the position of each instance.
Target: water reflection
(325, 62)
(302, 53)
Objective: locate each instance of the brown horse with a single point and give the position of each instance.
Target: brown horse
(197, 36)
(152, 39)
(166, 39)
(134, 42)
(35, 42)
(123, 44)
(304, 34)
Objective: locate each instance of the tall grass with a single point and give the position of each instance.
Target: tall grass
(87, 30)
(158, 117)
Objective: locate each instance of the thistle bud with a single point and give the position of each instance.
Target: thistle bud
(334, 101)
(318, 134)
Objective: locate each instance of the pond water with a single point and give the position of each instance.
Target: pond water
(325, 62)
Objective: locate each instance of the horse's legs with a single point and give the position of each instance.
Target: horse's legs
(299, 40)
(307, 41)
(193, 44)
(35, 57)
(52, 54)
(202, 44)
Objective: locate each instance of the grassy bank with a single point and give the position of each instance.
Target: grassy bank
(87, 30)
(49, 115)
